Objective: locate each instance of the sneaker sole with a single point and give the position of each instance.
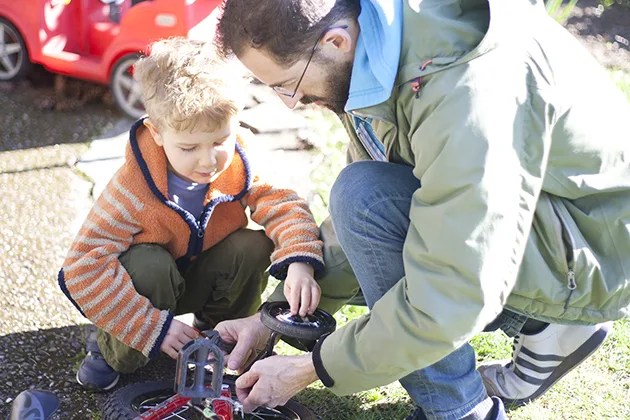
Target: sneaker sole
(571, 361)
(95, 388)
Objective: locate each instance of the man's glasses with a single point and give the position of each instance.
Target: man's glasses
(291, 94)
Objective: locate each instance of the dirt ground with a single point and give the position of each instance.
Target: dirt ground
(604, 32)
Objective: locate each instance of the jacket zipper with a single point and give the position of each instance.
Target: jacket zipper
(569, 246)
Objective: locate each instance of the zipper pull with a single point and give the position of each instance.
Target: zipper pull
(571, 280)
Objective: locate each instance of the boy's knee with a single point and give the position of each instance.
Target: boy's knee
(251, 247)
(338, 278)
(148, 265)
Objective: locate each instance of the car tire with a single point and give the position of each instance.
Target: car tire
(14, 59)
(125, 89)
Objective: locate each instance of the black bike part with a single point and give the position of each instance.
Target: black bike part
(216, 339)
(302, 345)
(126, 403)
(277, 317)
(202, 354)
(34, 404)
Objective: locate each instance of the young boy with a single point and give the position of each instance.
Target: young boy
(167, 236)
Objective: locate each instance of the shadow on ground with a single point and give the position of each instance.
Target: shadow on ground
(605, 32)
(33, 115)
(52, 357)
(328, 406)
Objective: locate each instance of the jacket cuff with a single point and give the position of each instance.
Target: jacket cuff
(155, 351)
(279, 269)
(322, 374)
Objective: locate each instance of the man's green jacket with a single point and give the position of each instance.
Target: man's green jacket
(522, 146)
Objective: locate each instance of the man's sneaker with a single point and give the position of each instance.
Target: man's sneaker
(497, 412)
(94, 373)
(417, 414)
(540, 360)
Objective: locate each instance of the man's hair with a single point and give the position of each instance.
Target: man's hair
(187, 86)
(287, 29)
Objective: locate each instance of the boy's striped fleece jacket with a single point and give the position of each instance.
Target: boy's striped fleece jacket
(134, 208)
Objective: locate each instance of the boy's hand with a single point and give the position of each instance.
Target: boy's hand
(177, 336)
(301, 289)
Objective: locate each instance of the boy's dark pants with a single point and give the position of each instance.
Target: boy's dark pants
(224, 282)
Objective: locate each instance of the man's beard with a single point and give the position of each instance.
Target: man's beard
(337, 88)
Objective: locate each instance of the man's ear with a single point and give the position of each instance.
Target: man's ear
(155, 133)
(341, 39)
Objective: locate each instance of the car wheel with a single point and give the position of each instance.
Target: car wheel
(14, 60)
(125, 89)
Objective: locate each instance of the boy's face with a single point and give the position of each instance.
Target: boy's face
(199, 156)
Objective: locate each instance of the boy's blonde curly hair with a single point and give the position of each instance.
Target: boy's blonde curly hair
(187, 86)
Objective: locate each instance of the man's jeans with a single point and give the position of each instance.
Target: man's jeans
(369, 205)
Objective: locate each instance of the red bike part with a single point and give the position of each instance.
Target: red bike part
(166, 407)
(223, 409)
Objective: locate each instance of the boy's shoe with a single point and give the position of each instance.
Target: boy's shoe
(540, 360)
(94, 373)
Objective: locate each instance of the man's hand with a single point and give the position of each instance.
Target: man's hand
(272, 381)
(250, 336)
(301, 289)
(177, 336)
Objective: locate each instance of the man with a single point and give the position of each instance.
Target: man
(490, 189)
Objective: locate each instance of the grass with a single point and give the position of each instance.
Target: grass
(598, 389)
(560, 10)
(623, 81)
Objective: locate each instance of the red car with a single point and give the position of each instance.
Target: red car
(96, 40)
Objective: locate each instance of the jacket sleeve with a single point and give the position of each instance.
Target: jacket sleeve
(93, 278)
(289, 223)
(480, 152)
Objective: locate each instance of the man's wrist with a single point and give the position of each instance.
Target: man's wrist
(310, 374)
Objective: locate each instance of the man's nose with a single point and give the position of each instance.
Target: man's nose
(289, 101)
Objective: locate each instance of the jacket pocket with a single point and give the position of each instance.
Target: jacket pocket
(553, 231)
(569, 245)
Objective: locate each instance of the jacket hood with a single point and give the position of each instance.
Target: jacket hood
(459, 31)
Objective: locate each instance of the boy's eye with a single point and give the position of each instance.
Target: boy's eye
(188, 149)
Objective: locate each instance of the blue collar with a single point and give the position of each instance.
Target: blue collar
(377, 53)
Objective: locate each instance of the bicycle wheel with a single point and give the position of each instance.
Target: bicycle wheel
(135, 399)
(277, 317)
